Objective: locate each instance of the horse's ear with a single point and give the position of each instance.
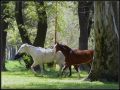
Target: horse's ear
(57, 43)
(26, 43)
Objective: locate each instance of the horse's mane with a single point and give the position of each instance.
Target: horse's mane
(40, 47)
(65, 46)
(34, 46)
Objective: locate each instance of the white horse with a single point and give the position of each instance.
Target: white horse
(41, 56)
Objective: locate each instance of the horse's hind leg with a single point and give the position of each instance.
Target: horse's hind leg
(70, 71)
(41, 67)
(67, 71)
(77, 69)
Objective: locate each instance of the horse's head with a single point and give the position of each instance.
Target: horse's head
(22, 50)
(56, 47)
(18, 55)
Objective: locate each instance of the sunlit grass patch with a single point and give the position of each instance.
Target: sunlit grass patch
(24, 79)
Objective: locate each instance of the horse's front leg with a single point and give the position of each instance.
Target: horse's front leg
(65, 66)
(70, 71)
(32, 67)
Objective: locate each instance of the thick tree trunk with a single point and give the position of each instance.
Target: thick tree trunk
(2, 47)
(105, 65)
(3, 34)
(85, 22)
(20, 22)
(42, 25)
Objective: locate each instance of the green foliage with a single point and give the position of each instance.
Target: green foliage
(26, 58)
(30, 19)
(19, 78)
(67, 22)
(13, 36)
(9, 12)
(30, 12)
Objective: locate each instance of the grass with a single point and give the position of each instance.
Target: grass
(17, 77)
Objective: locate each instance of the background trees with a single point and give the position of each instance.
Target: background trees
(34, 23)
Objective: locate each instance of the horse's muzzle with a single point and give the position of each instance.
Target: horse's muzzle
(18, 55)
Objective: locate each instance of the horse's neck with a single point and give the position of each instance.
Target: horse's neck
(30, 50)
(65, 52)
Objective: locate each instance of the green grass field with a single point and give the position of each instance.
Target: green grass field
(17, 77)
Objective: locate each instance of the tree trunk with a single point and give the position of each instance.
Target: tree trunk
(3, 34)
(85, 22)
(105, 65)
(20, 22)
(42, 25)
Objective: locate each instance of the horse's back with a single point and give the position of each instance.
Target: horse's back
(83, 52)
(81, 56)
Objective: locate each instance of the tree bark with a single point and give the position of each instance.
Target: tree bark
(20, 22)
(105, 65)
(42, 25)
(3, 34)
(85, 23)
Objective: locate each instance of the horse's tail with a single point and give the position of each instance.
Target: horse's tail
(92, 57)
(92, 54)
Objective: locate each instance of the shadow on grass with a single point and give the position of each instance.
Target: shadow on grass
(51, 73)
(24, 72)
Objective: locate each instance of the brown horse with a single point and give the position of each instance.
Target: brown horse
(75, 57)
